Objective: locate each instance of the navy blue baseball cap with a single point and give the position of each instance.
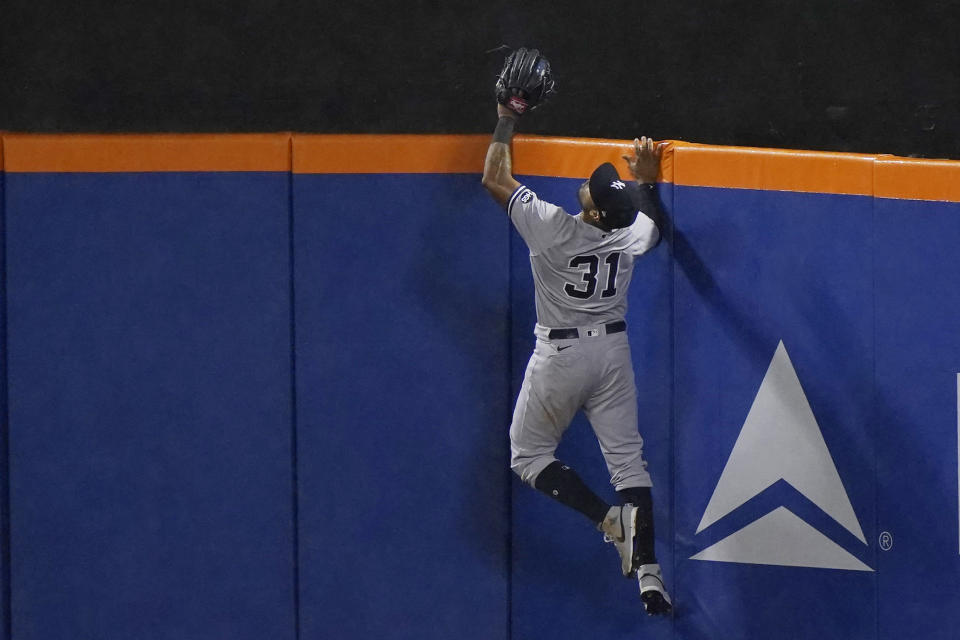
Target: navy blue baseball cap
(617, 200)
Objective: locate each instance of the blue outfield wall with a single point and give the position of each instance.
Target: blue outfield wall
(192, 459)
(755, 269)
(916, 424)
(4, 426)
(149, 373)
(862, 293)
(402, 397)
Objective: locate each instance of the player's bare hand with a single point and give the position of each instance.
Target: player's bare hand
(644, 164)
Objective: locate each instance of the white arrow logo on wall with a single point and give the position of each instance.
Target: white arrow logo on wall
(781, 440)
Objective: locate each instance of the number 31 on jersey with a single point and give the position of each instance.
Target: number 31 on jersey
(590, 266)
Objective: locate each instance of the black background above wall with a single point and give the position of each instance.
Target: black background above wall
(842, 75)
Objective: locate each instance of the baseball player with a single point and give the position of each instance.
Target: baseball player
(582, 266)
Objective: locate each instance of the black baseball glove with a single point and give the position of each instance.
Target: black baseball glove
(525, 81)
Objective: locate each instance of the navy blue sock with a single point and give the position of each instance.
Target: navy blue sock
(562, 483)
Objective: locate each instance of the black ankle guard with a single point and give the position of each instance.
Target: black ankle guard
(642, 499)
(562, 483)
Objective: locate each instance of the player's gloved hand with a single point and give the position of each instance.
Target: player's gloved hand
(644, 164)
(525, 81)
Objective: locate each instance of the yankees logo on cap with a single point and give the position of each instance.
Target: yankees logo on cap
(617, 201)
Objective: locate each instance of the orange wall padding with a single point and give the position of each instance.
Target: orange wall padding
(28, 153)
(684, 163)
(912, 179)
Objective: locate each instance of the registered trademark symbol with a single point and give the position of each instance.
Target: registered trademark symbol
(886, 541)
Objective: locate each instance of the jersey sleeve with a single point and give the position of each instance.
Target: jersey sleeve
(540, 224)
(645, 235)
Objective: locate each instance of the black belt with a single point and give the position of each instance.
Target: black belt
(567, 334)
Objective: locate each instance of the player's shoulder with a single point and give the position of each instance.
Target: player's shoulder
(524, 197)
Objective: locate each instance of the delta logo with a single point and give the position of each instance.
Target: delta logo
(781, 440)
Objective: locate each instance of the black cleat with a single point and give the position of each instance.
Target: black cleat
(654, 595)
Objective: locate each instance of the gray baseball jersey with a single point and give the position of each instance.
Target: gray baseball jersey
(581, 275)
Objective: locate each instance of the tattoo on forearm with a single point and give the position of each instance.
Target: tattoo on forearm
(498, 160)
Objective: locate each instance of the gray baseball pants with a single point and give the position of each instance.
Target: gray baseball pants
(563, 376)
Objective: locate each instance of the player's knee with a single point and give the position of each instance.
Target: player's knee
(519, 465)
(528, 468)
(632, 476)
(628, 470)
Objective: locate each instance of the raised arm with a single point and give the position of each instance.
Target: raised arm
(644, 164)
(498, 168)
